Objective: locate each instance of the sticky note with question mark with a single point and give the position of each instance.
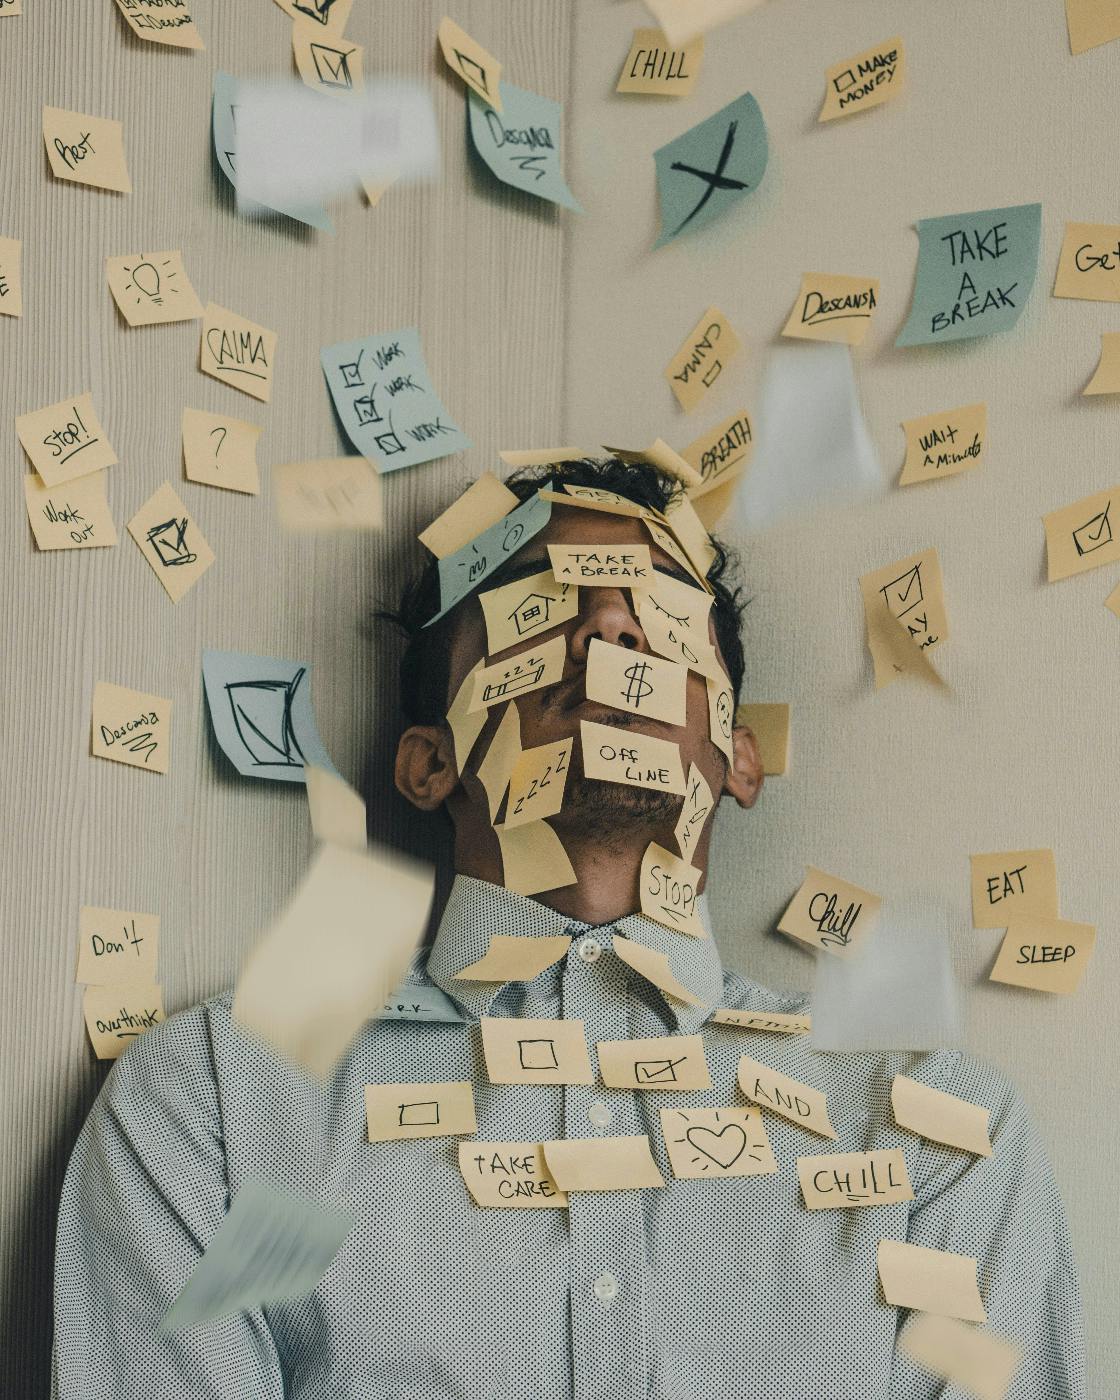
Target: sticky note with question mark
(219, 450)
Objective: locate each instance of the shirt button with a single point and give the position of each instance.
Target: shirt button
(606, 1288)
(600, 1115)
(590, 950)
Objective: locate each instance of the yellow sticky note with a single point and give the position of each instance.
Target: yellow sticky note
(661, 455)
(541, 457)
(669, 891)
(654, 967)
(497, 763)
(374, 191)
(74, 515)
(8, 8)
(1090, 23)
(1112, 602)
(338, 814)
(854, 1179)
(527, 1050)
(481, 505)
(695, 810)
(769, 723)
(910, 591)
(465, 724)
(661, 1062)
(152, 288)
(11, 282)
(674, 618)
(698, 365)
(171, 542)
(329, 16)
(115, 1016)
(655, 66)
(89, 150)
(519, 610)
(1049, 955)
(943, 444)
(979, 1363)
(602, 1164)
(867, 79)
(601, 565)
(508, 1174)
(537, 666)
(116, 946)
(941, 1117)
(681, 20)
(691, 532)
(162, 22)
(401, 1112)
(536, 783)
(784, 1022)
(131, 727)
(829, 913)
(713, 1142)
(596, 498)
(516, 958)
(1008, 883)
(1106, 377)
(221, 451)
(1081, 536)
(326, 495)
(238, 352)
(932, 1280)
(533, 859)
(636, 682)
(65, 440)
(477, 67)
(721, 716)
(330, 65)
(830, 306)
(611, 755)
(800, 1103)
(1089, 263)
(722, 454)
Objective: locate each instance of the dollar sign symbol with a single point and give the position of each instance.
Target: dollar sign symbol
(638, 687)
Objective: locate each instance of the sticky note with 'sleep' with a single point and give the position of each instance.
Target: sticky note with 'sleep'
(1049, 955)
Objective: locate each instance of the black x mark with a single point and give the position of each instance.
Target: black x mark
(716, 179)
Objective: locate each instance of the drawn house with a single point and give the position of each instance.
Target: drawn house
(531, 614)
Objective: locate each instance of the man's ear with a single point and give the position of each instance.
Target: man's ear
(425, 771)
(743, 780)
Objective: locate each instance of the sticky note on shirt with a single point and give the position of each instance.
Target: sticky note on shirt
(536, 783)
(979, 1363)
(520, 610)
(636, 682)
(830, 306)
(602, 1164)
(663, 1062)
(867, 79)
(943, 444)
(669, 891)
(854, 1179)
(612, 755)
(1106, 377)
(830, 914)
(510, 1174)
(74, 515)
(695, 811)
(521, 143)
(932, 1280)
(769, 723)
(710, 167)
(1082, 536)
(220, 451)
(152, 288)
(784, 1022)
(601, 565)
(170, 540)
(516, 958)
(162, 23)
(525, 671)
(654, 967)
(911, 592)
(11, 281)
(89, 150)
(328, 495)
(116, 947)
(401, 1112)
(1049, 955)
(328, 65)
(698, 365)
(116, 1015)
(524, 1050)
(238, 352)
(1008, 883)
(655, 66)
(713, 1142)
(477, 66)
(941, 1117)
(131, 727)
(65, 440)
(480, 506)
(800, 1103)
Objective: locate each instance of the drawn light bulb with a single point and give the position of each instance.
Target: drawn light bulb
(145, 278)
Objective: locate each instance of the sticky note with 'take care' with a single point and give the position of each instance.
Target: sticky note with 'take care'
(510, 1174)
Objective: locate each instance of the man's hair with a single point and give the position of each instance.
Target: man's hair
(424, 666)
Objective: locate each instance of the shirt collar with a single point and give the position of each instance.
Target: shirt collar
(477, 908)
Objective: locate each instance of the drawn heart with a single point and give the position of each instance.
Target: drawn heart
(724, 1148)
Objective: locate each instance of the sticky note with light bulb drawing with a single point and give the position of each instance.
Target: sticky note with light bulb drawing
(152, 288)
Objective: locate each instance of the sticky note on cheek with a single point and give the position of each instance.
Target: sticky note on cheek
(1006, 884)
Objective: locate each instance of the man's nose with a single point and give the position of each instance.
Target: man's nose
(605, 613)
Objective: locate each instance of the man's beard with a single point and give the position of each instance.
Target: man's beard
(613, 812)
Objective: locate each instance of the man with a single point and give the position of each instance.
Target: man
(715, 1286)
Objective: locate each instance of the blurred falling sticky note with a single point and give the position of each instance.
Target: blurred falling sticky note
(11, 282)
(65, 440)
(660, 1062)
(528, 1050)
(519, 610)
(318, 974)
(333, 493)
(402, 1112)
(338, 814)
(520, 673)
(162, 23)
(654, 967)
(695, 811)
(511, 1174)
(116, 946)
(710, 167)
(521, 143)
(602, 1164)
(326, 65)
(932, 1280)
(846, 1179)
(238, 352)
(374, 189)
(89, 150)
(74, 515)
(261, 714)
(867, 79)
(171, 541)
(943, 444)
(714, 1142)
(1049, 955)
(1091, 23)
(830, 914)
(116, 1015)
(224, 135)
(1089, 263)
(636, 682)
(271, 1247)
(1106, 377)
(220, 451)
(696, 367)
(469, 567)
(383, 394)
(152, 288)
(477, 67)
(669, 891)
(978, 1363)
(328, 16)
(832, 306)
(975, 273)
(800, 1103)
(1081, 536)
(769, 723)
(516, 958)
(481, 505)
(1008, 883)
(131, 727)
(655, 66)
(533, 859)
(941, 1117)
(466, 724)
(497, 763)
(613, 755)
(903, 601)
(537, 781)
(681, 20)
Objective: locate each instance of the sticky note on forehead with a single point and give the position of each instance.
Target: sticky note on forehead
(601, 565)
(1008, 883)
(462, 572)
(480, 506)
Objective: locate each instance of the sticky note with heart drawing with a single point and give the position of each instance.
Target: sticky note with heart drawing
(716, 1142)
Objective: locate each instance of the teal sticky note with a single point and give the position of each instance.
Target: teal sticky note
(521, 143)
(463, 571)
(710, 167)
(975, 273)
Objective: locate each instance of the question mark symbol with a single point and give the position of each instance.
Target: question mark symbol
(219, 446)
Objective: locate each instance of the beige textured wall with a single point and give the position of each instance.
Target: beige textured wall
(897, 789)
